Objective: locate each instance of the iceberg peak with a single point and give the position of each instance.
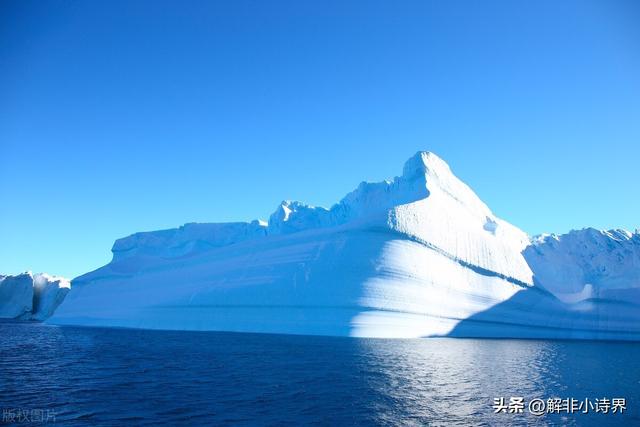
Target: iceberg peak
(427, 169)
(422, 163)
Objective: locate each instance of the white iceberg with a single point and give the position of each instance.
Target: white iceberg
(16, 296)
(418, 256)
(31, 297)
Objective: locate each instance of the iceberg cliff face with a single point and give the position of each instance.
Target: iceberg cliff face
(16, 296)
(31, 297)
(48, 294)
(417, 256)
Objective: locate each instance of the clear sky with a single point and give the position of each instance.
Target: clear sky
(125, 116)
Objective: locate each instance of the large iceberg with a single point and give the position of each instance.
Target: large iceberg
(417, 256)
(30, 296)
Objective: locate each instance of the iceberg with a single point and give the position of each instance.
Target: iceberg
(418, 256)
(30, 296)
(16, 296)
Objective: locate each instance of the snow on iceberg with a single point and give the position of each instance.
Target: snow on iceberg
(417, 256)
(31, 297)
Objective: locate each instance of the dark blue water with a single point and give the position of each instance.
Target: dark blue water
(86, 376)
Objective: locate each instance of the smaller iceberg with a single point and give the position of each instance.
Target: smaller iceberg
(30, 296)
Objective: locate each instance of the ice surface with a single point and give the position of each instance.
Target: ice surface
(420, 255)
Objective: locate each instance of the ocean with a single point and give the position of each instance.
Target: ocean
(95, 376)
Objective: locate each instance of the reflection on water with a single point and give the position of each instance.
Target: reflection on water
(110, 376)
(456, 380)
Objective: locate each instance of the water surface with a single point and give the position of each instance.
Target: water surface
(117, 376)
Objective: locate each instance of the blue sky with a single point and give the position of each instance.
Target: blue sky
(122, 116)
